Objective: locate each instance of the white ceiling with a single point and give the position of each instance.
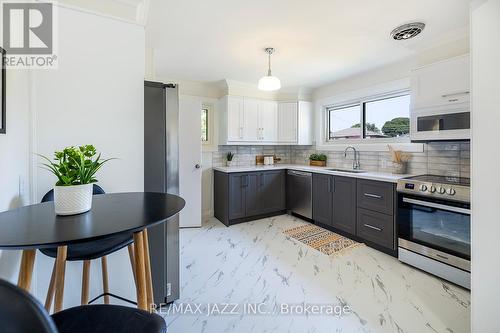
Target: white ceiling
(316, 41)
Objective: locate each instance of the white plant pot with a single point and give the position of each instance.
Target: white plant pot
(74, 199)
(229, 163)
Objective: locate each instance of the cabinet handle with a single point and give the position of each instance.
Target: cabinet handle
(372, 227)
(261, 176)
(332, 180)
(456, 94)
(370, 195)
(262, 133)
(241, 132)
(245, 181)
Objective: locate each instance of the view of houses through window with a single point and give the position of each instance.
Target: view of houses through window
(381, 118)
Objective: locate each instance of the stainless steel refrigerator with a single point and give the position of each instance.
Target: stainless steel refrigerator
(161, 174)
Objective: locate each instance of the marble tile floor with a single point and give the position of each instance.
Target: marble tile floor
(225, 272)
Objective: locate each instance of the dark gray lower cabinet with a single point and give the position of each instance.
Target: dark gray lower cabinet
(322, 198)
(241, 196)
(237, 184)
(272, 191)
(334, 202)
(376, 227)
(344, 204)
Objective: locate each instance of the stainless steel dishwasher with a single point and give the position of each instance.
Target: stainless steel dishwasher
(299, 193)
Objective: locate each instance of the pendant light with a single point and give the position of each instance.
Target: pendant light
(269, 82)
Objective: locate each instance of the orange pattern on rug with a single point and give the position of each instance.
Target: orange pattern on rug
(321, 239)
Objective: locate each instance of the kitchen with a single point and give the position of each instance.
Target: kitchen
(418, 213)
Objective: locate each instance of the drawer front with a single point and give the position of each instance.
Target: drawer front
(377, 196)
(376, 227)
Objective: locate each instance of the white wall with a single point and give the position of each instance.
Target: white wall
(14, 158)
(485, 160)
(94, 97)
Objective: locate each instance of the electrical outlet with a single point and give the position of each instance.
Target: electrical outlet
(169, 289)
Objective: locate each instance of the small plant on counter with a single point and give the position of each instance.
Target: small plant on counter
(229, 158)
(317, 160)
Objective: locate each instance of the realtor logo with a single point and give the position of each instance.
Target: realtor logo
(28, 34)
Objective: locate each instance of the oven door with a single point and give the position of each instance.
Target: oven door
(435, 228)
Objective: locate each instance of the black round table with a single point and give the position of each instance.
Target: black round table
(36, 226)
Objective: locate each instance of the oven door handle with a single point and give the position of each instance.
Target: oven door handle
(437, 206)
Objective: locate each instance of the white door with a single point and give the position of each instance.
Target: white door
(268, 121)
(234, 118)
(287, 122)
(190, 170)
(251, 129)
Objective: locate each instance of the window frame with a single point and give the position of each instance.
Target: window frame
(210, 125)
(362, 116)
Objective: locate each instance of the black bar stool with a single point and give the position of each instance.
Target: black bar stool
(86, 252)
(20, 313)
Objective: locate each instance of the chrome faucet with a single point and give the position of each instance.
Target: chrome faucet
(355, 162)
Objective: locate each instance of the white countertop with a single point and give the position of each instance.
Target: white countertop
(380, 176)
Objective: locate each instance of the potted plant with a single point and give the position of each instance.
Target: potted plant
(75, 169)
(317, 160)
(399, 160)
(229, 159)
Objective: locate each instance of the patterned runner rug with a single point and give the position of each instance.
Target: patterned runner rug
(321, 239)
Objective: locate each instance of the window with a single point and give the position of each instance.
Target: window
(344, 123)
(204, 125)
(388, 118)
(376, 118)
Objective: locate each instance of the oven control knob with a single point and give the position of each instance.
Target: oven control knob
(432, 189)
(441, 190)
(423, 187)
(451, 191)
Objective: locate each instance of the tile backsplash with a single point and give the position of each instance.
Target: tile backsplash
(439, 158)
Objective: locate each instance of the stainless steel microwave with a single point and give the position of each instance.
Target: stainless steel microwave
(449, 122)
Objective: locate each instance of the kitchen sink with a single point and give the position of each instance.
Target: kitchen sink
(347, 170)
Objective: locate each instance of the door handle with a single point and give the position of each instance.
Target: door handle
(197, 166)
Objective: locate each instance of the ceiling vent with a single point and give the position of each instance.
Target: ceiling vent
(407, 31)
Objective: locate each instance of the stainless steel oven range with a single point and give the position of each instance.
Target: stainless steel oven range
(434, 226)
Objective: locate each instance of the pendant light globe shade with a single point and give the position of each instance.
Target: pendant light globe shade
(269, 83)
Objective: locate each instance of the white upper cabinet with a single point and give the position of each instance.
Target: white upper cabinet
(268, 121)
(287, 122)
(443, 83)
(245, 120)
(234, 118)
(295, 123)
(251, 124)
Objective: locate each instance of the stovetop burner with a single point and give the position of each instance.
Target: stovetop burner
(449, 180)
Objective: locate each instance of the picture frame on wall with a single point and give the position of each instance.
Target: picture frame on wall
(2, 94)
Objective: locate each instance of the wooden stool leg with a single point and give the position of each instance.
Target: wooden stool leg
(85, 282)
(26, 269)
(147, 266)
(140, 271)
(50, 291)
(62, 252)
(132, 260)
(105, 285)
